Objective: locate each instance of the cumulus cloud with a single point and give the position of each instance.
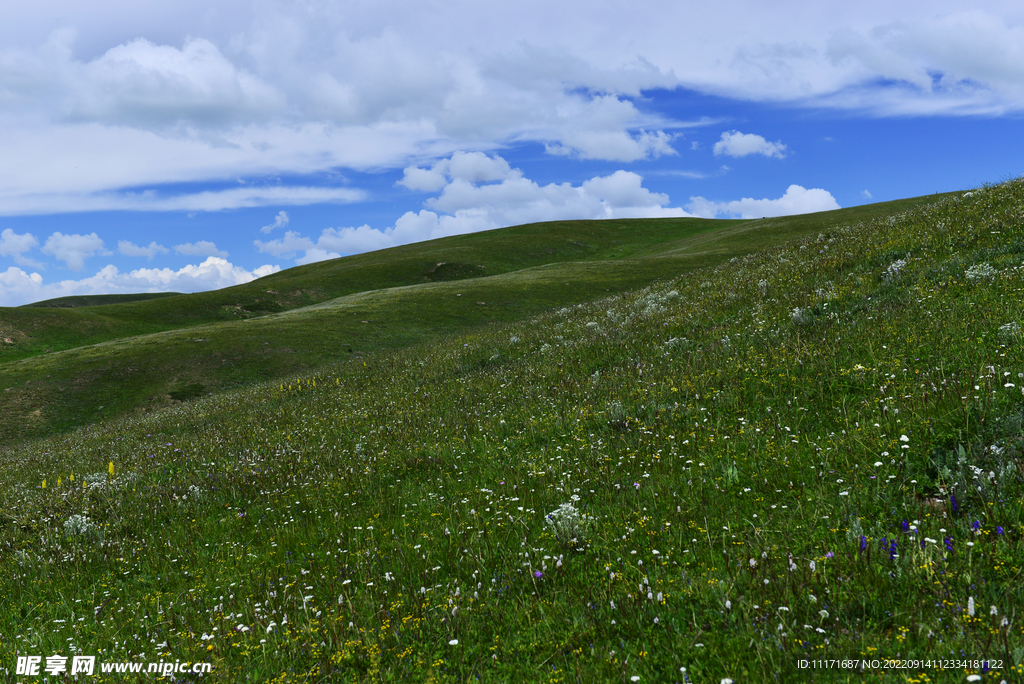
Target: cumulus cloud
(14, 245)
(612, 145)
(797, 200)
(19, 287)
(472, 167)
(280, 221)
(128, 248)
(143, 84)
(480, 192)
(73, 250)
(201, 248)
(736, 144)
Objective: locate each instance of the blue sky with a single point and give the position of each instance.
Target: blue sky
(189, 146)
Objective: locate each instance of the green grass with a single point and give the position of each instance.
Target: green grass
(742, 444)
(67, 367)
(77, 301)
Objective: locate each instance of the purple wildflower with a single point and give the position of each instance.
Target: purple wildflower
(538, 574)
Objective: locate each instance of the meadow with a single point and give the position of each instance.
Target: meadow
(78, 360)
(809, 451)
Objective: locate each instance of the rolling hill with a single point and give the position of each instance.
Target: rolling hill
(73, 362)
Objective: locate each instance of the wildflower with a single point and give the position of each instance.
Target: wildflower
(993, 611)
(999, 529)
(970, 606)
(538, 574)
(453, 642)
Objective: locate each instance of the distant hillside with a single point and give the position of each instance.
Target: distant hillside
(65, 367)
(98, 300)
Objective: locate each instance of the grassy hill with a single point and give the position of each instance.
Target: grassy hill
(62, 367)
(77, 301)
(812, 451)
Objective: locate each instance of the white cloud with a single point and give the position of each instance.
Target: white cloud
(149, 200)
(73, 250)
(797, 200)
(481, 193)
(291, 242)
(18, 287)
(280, 221)
(132, 95)
(612, 145)
(201, 248)
(142, 84)
(957, 62)
(15, 245)
(129, 248)
(736, 144)
(472, 167)
(866, 194)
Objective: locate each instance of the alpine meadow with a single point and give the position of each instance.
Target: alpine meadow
(648, 450)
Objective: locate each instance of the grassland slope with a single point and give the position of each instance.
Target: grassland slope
(74, 366)
(811, 452)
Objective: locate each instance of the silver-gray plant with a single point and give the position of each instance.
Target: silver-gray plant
(569, 526)
(79, 526)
